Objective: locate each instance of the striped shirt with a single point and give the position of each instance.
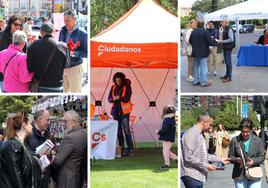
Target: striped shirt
(194, 155)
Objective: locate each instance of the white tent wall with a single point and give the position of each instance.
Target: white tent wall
(151, 80)
(248, 10)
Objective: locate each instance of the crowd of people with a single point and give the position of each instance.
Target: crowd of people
(204, 150)
(61, 166)
(45, 64)
(205, 49)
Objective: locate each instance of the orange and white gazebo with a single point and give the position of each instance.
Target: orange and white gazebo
(143, 44)
(145, 37)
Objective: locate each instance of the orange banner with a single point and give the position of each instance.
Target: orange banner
(145, 55)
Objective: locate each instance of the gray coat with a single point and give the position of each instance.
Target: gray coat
(256, 153)
(70, 161)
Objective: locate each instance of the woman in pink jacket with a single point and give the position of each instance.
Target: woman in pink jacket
(13, 65)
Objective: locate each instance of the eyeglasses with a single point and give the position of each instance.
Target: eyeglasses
(17, 24)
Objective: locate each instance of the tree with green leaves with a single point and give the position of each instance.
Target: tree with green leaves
(103, 13)
(13, 104)
(228, 116)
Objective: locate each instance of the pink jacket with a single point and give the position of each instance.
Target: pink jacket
(17, 77)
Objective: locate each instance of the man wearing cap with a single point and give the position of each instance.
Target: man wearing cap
(73, 74)
(47, 59)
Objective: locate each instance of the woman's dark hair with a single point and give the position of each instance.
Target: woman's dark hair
(11, 20)
(119, 75)
(169, 109)
(14, 123)
(264, 31)
(246, 123)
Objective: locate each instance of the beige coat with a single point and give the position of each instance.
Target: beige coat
(266, 166)
(221, 152)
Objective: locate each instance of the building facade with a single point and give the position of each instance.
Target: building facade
(37, 8)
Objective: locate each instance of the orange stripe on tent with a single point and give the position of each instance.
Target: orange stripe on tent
(145, 55)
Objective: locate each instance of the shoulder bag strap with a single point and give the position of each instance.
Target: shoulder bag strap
(242, 155)
(49, 62)
(9, 62)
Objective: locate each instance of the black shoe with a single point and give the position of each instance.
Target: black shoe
(164, 167)
(131, 154)
(223, 77)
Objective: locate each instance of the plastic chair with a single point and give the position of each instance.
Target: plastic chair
(131, 126)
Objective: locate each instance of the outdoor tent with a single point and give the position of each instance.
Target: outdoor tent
(143, 45)
(248, 10)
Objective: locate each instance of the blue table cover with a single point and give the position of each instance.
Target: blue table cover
(253, 55)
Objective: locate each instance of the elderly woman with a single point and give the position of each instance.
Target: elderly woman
(13, 65)
(251, 147)
(19, 167)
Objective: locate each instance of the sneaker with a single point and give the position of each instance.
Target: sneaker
(123, 153)
(215, 73)
(207, 84)
(190, 78)
(209, 73)
(164, 167)
(196, 84)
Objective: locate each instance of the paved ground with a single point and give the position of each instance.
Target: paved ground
(245, 79)
(223, 179)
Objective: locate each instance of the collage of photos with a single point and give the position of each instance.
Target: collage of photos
(44, 136)
(133, 94)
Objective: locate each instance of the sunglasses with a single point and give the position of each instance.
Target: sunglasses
(16, 24)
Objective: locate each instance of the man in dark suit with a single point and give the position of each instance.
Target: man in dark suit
(200, 40)
(70, 160)
(39, 136)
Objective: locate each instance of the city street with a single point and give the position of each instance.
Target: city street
(245, 79)
(223, 179)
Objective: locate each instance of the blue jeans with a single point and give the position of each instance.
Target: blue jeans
(190, 182)
(200, 70)
(228, 61)
(123, 128)
(245, 183)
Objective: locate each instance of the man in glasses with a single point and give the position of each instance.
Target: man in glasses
(70, 160)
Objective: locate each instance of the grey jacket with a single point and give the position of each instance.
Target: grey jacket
(70, 161)
(256, 153)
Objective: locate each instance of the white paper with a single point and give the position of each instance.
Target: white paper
(44, 148)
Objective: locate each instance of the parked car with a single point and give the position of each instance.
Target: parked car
(247, 28)
(234, 27)
(37, 23)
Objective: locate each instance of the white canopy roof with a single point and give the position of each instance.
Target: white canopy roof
(146, 22)
(251, 9)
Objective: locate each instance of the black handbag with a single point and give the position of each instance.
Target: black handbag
(33, 87)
